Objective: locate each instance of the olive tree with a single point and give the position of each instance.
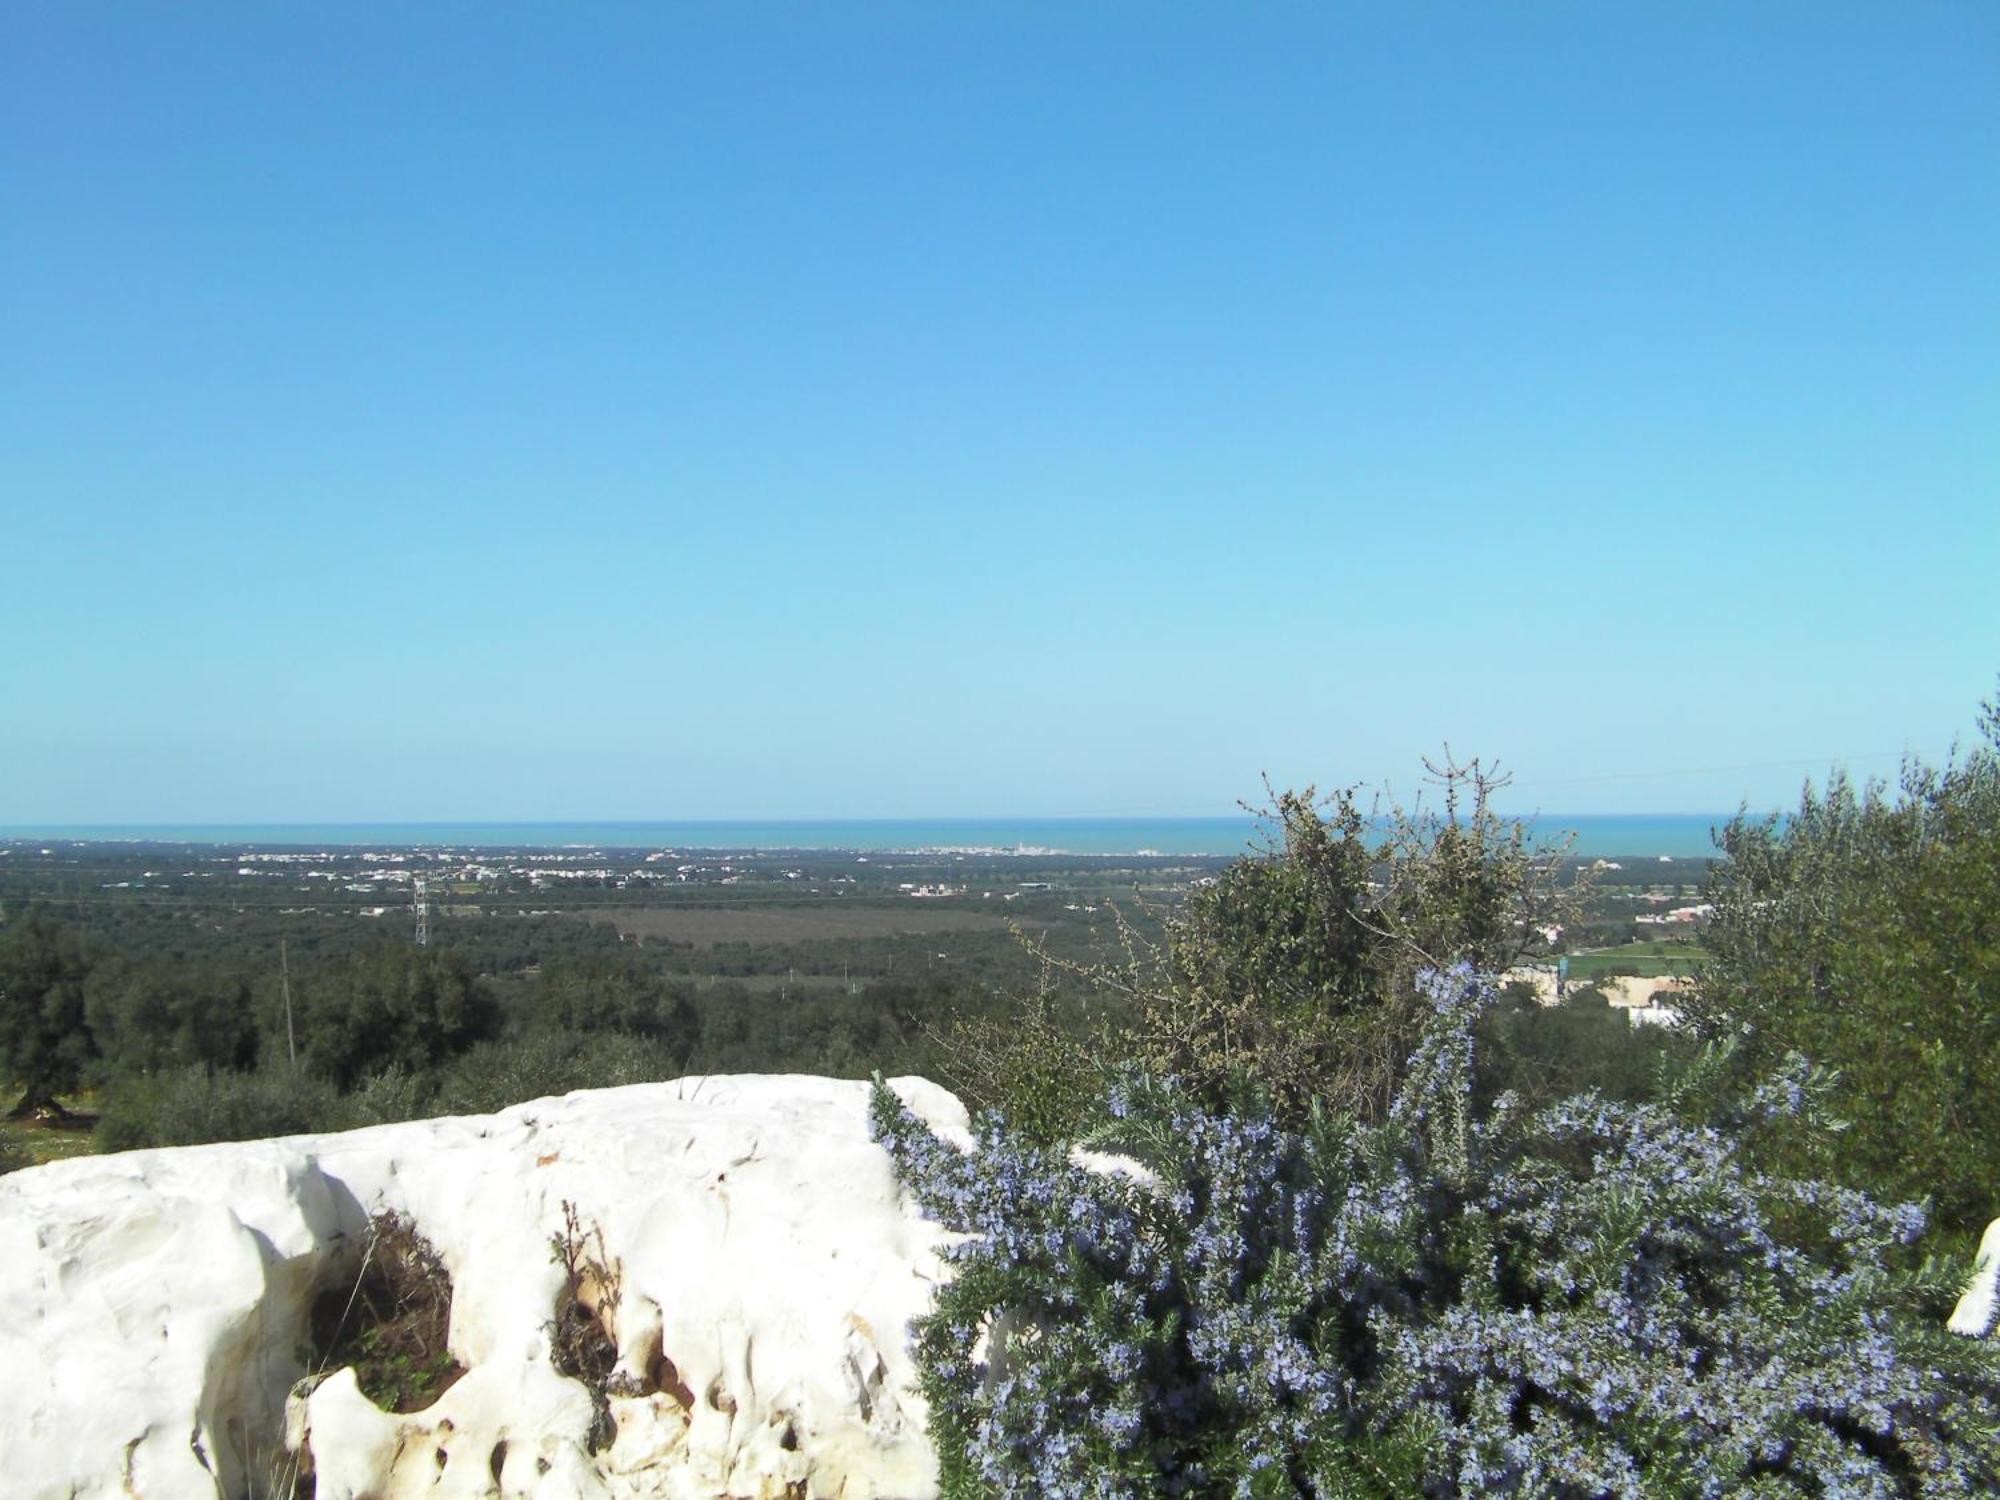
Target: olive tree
(395, 1006)
(45, 1038)
(1864, 931)
(1293, 972)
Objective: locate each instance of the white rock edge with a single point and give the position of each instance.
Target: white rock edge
(153, 1304)
(1974, 1314)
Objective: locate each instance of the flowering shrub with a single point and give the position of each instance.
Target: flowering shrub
(1589, 1299)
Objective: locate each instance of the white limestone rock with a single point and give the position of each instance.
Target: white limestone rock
(153, 1305)
(1974, 1314)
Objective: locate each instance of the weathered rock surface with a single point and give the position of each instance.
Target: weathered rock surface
(153, 1305)
(1975, 1313)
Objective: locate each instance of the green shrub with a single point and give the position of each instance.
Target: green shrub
(1292, 973)
(814, 1029)
(1864, 931)
(388, 1096)
(45, 1041)
(1041, 1059)
(160, 1014)
(597, 994)
(1589, 1299)
(1542, 1053)
(538, 1064)
(192, 1106)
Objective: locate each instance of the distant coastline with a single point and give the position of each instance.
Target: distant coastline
(1677, 835)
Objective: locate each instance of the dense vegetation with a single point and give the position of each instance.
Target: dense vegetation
(1295, 969)
(182, 1054)
(1292, 973)
(1400, 1230)
(1540, 1266)
(186, 994)
(150, 983)
(1864, 931)
(1585, 1299)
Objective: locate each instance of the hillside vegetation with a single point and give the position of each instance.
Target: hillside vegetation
(1401, 1233)
(1398, 1238)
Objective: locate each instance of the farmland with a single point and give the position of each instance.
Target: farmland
(1652, 959)
(824, 921)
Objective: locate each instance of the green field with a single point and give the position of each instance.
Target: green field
(1653, 959)
(705, 926)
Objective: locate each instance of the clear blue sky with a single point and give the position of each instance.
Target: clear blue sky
(473, 411)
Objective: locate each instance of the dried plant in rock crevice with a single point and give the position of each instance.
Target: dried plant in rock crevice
(581, 1340)
(393, 1321)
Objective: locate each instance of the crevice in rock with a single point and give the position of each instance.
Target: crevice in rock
(666, 1377)
(392, 1320)
(582, 1335)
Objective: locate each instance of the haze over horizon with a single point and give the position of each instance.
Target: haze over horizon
(490, 413)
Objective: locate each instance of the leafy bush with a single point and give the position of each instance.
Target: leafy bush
(386, 1097)
(1864, 930)
(1586, 1299)
(494, 1075)
(1041, 1058)
(193, 1105)
(1543, 1053)
(596, 994)
(146, 1016)
(1294, 968)
(834, 1033)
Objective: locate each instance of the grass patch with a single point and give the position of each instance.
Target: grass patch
(1661, 948)
(31, 1142)
(1652, 959)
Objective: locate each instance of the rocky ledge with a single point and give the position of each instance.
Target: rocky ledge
(736, 1247)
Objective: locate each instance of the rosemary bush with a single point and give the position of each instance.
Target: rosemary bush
(1594, 1298)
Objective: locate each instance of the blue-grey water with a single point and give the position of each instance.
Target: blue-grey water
(1681, 835)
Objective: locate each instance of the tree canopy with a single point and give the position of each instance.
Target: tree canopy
(1295, 969)
(1864, 932)
(45, 1044)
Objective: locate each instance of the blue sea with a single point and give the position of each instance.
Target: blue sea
(1680, 835)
